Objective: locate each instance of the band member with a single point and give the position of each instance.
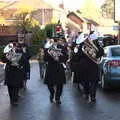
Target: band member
(56, 57)
(75, 60)
(89, 61)
(27, 55)
(14, 71)
(85, 65)
(75, 64)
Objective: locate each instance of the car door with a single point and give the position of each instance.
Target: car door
(102, 61)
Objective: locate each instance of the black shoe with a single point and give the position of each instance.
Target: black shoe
(51, 98)
(14, 103)
(86, 97)
(58, 102)
(93, 100)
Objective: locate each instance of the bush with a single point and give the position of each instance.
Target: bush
(33, 50)
(39, 36)
(1, 52)
(50, 30)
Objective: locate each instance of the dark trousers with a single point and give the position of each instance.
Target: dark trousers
(42, 67)
(58, 91)
(90, 87)
(13, 93)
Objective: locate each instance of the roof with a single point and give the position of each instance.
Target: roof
(86, 20)
(73, 25)
(91, 21)
(34, 4)
(8, 9)
(112, 46)
(78, 16)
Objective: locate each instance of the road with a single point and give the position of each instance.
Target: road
(1, 72)
(35, 104)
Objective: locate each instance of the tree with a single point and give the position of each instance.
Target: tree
(39, 36)
(108, 9)
(91, 10)
(24, 22)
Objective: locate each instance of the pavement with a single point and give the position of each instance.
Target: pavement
(35, 104)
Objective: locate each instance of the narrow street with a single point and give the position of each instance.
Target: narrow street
(35, 104)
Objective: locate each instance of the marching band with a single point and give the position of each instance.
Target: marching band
(82, 57)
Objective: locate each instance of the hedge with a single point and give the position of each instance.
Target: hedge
(1, 52)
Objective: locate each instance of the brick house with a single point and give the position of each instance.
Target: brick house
(85, 24)
(47, 14)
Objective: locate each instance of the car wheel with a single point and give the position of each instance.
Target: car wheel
(103, 82)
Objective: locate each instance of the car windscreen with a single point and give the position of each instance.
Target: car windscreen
(115, 52)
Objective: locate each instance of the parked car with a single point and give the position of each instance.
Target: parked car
(107, 40)
(110, 67)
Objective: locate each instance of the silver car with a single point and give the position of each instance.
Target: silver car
(110, 67)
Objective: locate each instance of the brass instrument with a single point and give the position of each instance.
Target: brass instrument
(14, 58)
(91, 50)
(55, 52)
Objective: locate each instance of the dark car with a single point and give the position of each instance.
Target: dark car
(107, 40)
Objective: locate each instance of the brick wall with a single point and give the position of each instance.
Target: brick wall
(76, 20)
(7, 30)
(43, 14)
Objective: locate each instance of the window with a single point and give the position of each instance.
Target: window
(115, 52)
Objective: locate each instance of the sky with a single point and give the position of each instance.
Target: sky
(69, 4)
(72, 4)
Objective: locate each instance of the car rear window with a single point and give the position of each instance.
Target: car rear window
(115, 52)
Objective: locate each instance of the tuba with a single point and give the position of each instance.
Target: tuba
(91, 49)
(14, 58)
(55, 52)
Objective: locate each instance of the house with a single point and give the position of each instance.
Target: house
(86, 25)
(108, 26)
(41, 11)
(51, 14)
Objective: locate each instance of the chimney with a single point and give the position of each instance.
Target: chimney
(61, 6)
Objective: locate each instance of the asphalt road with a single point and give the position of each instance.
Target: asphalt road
(35, 104)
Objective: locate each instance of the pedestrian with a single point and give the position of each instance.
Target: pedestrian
(56, 57)
(14, 72)
(42, 64)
